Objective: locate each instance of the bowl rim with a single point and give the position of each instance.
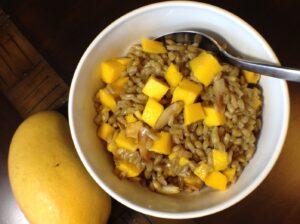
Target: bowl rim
(236, 198)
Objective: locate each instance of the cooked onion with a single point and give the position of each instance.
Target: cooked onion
(172, 110)
(132, 129)
(219, 90)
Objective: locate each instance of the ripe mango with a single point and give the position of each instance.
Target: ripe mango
(163, 144)
(152, 111)
(192, 113)
(187, 91)
(152, 46)
(173, 76)
(48, 179)
(155, 88)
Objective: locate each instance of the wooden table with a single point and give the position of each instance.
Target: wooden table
(61, 31)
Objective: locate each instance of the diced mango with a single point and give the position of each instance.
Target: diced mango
(111, 70)
(152, 111)
(213, 117)
(129, 169)
(163, 144)
(105, 131)
(112, 147)
(183, 161)
(119, 84)
(130, 118)
(173, 76)
(155, 88)
(172, 156)
(187, 91)
(126, 143)
(192, 181)
(192, 113)
(138, 115)
(202, 170)
(251, 77)
(124, 61)
(152, 46)
(229, 173)
(216, 180)
(220, 159)
(107, 99)
(205, 67)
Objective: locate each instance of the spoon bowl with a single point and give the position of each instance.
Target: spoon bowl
(216, 44)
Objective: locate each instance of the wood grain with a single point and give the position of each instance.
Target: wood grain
(26, 79)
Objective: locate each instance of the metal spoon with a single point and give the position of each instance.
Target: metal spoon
(209, 42)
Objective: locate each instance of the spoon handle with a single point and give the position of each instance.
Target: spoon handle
(275, 71)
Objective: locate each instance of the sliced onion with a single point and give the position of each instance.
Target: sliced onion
(169, 189)
(132, 129)
(219, 90)
(172, 110)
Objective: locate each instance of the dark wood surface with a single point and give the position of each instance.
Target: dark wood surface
(61, 31)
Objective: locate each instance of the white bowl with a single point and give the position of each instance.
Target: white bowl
(152, 21)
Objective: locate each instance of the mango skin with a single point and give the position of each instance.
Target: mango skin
(47, 178)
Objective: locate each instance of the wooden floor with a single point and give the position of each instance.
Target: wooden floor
(61, 30)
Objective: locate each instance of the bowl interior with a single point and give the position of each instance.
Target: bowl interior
(153, 21)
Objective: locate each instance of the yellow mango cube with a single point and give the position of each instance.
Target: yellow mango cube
(111, 70)
(130, 118)
(155, 88)
(112, 147)
(219, 159)
(163, 144)
(213, 117)
(192, 113)
(205, 67)
(172, 155)
(152, 46)
(152, 111)
(229, 173)
(192, 181)
(187, 91)
(173, 76)
(105, 131)
(124, 61)
(202, 170)
(138, 115)
(251, 77)
(129, 169)
(107, 99)
(125, 142)
(119, 84)
(183, 161)
(216, 180)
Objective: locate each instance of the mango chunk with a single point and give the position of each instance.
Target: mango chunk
(163, 144)
(213, 117)
(173, 76)
(152, 46)
(183, 161)
(111, 70)
(152, 111)
(216, 180)
(202, 170)
(251, 77)
(192, 181)
(105, 131)
(107, 99)
(138, 115)
(130, 118)
(129, 169)
(172, 156)
(112, 147)
(220, 159)
(119, 84)
(126, 143)
(192, 113)
(229, 173)
(124, 61)
(205, 67)
(155, 88)
(187, 91)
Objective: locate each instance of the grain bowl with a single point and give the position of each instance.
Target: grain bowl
(153, 21)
